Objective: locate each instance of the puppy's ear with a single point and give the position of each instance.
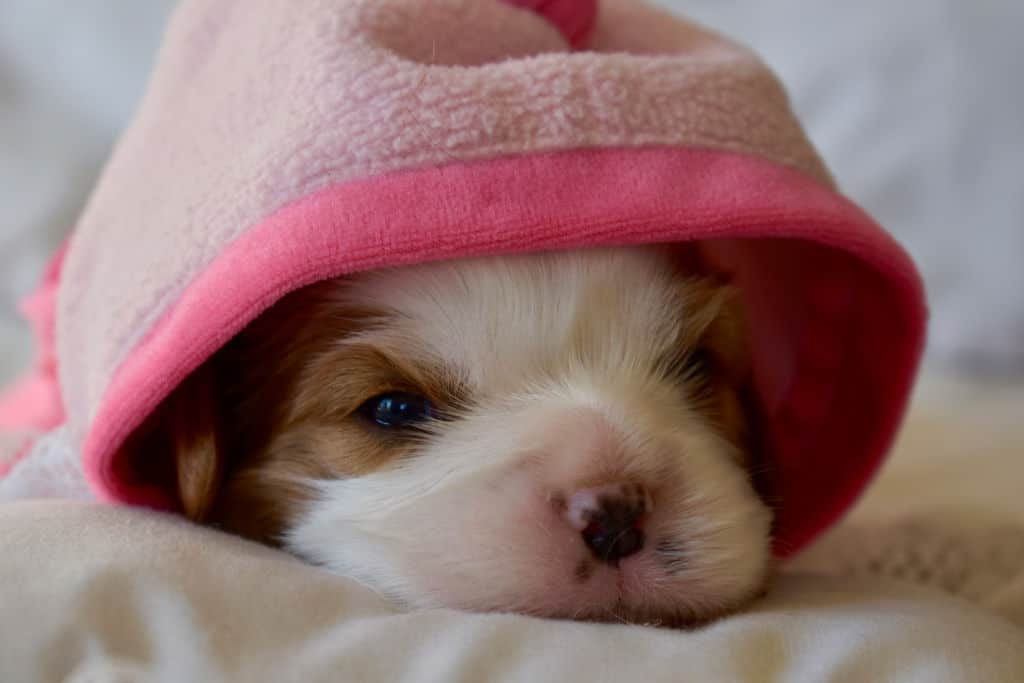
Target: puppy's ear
(716, 317)
(193, 426)
(182, 442)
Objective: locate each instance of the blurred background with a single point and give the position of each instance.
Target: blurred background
(917, 105)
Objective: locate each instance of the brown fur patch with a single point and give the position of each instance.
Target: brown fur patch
(280, 402)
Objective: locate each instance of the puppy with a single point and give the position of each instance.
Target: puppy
(560, 435)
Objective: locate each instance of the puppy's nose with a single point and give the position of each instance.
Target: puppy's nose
(610, 519)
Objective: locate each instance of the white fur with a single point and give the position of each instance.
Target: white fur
(559, 354)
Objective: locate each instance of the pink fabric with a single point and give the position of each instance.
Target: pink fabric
(857, 292)
(251, 110)
(281, 143)
(574, 18)
(32, 405)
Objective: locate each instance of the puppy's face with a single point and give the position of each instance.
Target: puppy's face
(559, 435)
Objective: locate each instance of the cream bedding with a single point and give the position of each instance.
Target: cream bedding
(100, 594)
(947, 510)
(89, 593)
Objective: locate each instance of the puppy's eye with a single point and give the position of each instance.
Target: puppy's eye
(694, 366)
(397, 410)
(699, 362)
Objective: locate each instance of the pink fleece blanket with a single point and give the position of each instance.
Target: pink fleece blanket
(285, 142)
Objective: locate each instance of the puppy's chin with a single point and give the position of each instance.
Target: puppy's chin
(558, 435)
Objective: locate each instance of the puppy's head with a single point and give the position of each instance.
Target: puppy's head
(559, 435)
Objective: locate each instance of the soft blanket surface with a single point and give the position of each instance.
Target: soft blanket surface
(946, 510)
(104, 594)
(126, 595)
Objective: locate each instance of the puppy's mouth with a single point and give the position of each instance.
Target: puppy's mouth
(651, 590)
(627, 615)
(644, 590)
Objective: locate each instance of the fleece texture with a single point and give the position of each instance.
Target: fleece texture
(281, 143)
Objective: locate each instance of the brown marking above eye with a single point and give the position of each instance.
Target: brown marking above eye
(336, 381)
(343, 383)
(326, 405)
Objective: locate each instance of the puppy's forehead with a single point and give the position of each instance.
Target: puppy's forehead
(520, 315)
